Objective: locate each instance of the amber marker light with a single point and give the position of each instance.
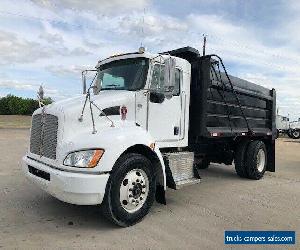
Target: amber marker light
(96, 157)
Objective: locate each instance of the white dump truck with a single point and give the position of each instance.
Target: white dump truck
(148, 121)
(282, 124)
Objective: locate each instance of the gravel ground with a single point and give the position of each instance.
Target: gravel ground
(15, 121)
(195, 217)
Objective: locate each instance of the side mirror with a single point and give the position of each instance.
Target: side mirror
(83, 75)
(169, 77)
(156, 97)
(97, 86)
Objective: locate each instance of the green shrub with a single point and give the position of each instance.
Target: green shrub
(14, 105)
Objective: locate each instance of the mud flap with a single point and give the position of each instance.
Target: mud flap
(160, 195)
(271, 155)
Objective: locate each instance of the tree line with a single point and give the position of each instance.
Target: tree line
(14, 105)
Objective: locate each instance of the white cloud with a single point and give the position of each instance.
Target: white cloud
(67, 34)
(71, 70)
(16, 50)
(18, 85)
(99, 6)
(51, 38)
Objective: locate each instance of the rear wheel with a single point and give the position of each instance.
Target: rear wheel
(130, 191)
(239, 159)
(256, 160)
(295, 134)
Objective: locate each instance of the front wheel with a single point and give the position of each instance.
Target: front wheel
(130, 191)
(289, 133)
(277, 134)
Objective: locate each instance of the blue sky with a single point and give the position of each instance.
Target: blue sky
(50, 42)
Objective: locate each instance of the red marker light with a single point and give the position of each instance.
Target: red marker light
(123, 112)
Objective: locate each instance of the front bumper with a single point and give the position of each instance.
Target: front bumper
(70, 187)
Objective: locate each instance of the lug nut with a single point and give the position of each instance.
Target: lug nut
(141, 198)
(130, 195)
(133, 183)
(137, 180)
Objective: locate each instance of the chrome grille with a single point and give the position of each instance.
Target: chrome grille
(43, 140)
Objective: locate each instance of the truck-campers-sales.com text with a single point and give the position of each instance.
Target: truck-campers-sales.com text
(250, 239)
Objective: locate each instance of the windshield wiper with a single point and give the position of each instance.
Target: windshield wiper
(112, 85)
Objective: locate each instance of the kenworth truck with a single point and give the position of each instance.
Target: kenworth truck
(282, 124)
(147, 122)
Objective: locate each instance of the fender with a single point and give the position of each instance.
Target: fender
(115, 141)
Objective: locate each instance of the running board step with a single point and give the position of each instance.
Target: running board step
(187, 182)
(180, 169)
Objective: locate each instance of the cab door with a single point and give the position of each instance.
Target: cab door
(164, 115)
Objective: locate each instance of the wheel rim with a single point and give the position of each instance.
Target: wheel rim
(134, 190)
(261, 160)
(296, 133)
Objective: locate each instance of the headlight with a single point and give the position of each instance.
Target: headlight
(84, 159)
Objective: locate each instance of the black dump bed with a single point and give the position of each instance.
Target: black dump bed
(223, 105)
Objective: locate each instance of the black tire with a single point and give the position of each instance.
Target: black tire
(277, 134)
(204, 164)
(239, 159)
(253, 171)
(295, 134)
(289, 133)
(111, 205)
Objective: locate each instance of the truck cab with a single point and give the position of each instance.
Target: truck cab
(143, 76)
(131, 134)
(282, 123)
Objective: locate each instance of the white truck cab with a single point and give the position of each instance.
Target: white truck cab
(132, 134)
(72, 160)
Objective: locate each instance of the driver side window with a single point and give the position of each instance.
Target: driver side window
(157, 81)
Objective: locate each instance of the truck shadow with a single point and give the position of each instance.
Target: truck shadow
(219, 171)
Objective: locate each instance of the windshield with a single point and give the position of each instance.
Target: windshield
(125, 74)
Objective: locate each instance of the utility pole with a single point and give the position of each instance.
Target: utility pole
(204, 44)
(41, 92)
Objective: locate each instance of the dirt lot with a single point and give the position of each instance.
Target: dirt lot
(194, 217)
(15, 121)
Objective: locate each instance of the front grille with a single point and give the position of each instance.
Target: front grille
(43, 140)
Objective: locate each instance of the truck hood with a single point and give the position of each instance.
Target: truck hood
(69, 111)
(70, 127)
(104, 99)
